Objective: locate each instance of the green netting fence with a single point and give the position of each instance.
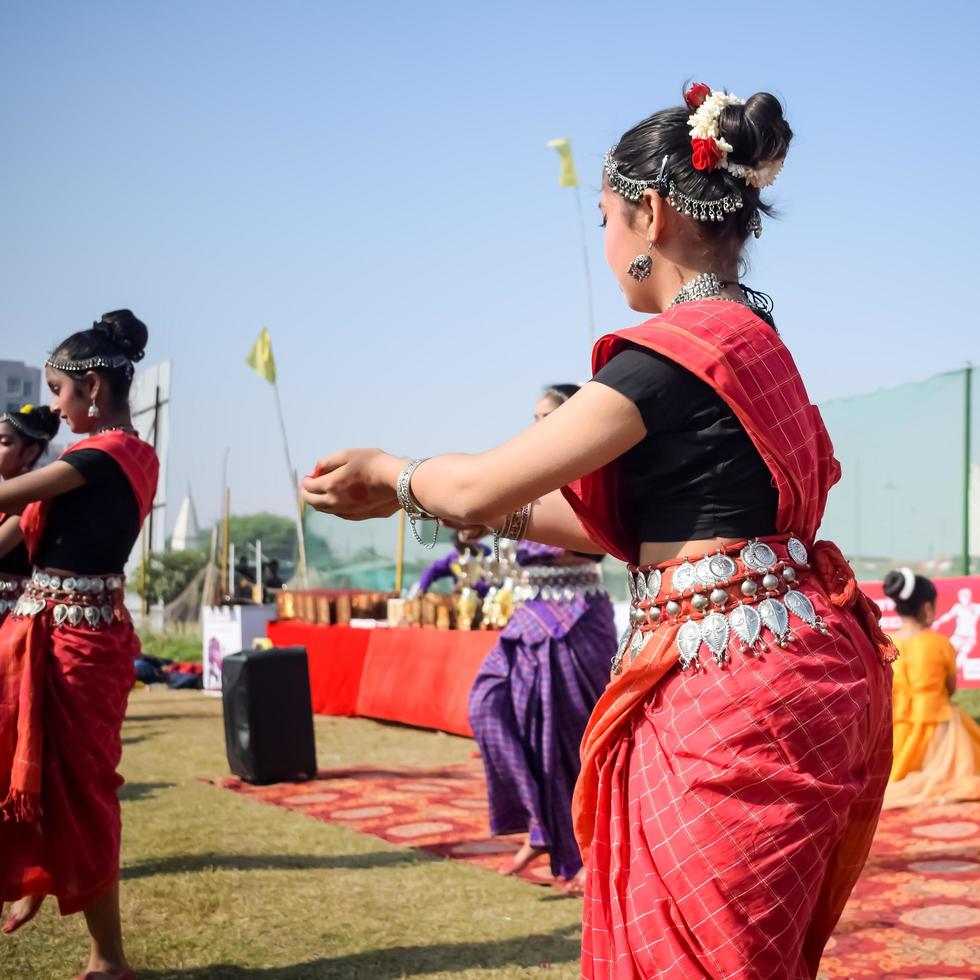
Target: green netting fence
(909, 495)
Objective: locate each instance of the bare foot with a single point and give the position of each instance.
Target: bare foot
(575, 887)
(523, 858)
(21, 912)
(124, 974)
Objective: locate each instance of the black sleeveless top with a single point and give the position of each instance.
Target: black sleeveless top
(696, 474)
(15, 562)
(91, 529)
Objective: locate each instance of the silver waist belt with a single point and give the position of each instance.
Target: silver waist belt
(11, 586)
(557, 583)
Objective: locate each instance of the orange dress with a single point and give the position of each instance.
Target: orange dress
(936, 744)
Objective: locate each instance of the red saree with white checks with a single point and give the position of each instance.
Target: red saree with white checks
(63, 692)
(727, 812)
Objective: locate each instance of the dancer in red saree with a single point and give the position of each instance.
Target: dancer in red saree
(67, 650)
(734, 768)
(24, 436)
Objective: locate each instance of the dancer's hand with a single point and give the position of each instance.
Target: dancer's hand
(356, 484)
(469, 533)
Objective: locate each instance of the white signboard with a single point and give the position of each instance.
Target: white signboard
(228, 629)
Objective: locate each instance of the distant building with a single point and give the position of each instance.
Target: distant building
(187, 533)
(20, 384)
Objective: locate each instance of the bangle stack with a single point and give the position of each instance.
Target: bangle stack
(514, 528)
(411, 506)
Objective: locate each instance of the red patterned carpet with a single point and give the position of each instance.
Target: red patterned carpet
(914, 913)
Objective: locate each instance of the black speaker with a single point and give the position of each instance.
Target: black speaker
(268, 715)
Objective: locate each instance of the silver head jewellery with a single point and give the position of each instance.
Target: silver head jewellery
(19, 420)
(704, 210)
(113, 363)
(411, 506)
(700, 210)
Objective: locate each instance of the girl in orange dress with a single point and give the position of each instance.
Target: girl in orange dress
(937, 745)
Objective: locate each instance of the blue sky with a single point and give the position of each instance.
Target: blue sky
(372, 183)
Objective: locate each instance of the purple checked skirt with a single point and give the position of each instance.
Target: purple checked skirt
(528, 709)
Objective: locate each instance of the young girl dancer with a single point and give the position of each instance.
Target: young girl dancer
(936, 744)
(24, 436)
(67, 650)
(535, 691)
(733, 770)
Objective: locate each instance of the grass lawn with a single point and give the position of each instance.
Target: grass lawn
(218, 886)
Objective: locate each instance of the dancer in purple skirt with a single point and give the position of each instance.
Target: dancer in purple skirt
(535, 692)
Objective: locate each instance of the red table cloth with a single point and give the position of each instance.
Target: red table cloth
(422, 677)
(336, 657)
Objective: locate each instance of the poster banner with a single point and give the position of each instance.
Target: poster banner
(957, 616)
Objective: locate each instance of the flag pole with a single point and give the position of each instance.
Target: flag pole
(585, 261)
(400, 553)
(294, 484)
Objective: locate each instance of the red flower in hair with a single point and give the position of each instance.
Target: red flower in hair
(696, 94)
(705, 155)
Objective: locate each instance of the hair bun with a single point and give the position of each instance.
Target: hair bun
(44, 419)
(124, 332)
(757, 130)
(893, 584)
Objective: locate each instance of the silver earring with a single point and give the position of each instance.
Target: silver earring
(754, 225)
(641, 266)
(93, 410)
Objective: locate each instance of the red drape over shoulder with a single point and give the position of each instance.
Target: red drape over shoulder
(137, 460)
(745, 361)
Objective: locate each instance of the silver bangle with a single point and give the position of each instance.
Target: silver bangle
(403, 491)
(411, 506)
(514, 528)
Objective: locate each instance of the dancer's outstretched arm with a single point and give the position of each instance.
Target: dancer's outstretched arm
(594, 427)
(50, 481)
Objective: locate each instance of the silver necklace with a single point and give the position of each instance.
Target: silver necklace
(704, 286)
(115, 428)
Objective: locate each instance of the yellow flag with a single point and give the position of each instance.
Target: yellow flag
(260, 357)
(567, 177)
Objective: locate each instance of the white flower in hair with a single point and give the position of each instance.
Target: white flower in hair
(759, 177)
(704, 120)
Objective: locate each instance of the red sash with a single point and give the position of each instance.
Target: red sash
(25, 646)
(135, 458)
(745, 361)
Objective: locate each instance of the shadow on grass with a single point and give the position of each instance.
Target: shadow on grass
(560, 946)
(133, 792)
(192, 863)
(136, 739)
(142, 719)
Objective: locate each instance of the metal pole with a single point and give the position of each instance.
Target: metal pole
(148, 534)
(225, 544)
(294, 489)
(967, 438)
(585, 262)
(400, 550)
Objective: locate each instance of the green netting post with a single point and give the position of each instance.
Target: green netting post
(967, 436)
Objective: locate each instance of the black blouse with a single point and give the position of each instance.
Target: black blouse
(16, 561)
(92, 529)
(696, 474)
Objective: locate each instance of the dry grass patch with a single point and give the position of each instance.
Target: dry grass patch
(219, 886)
